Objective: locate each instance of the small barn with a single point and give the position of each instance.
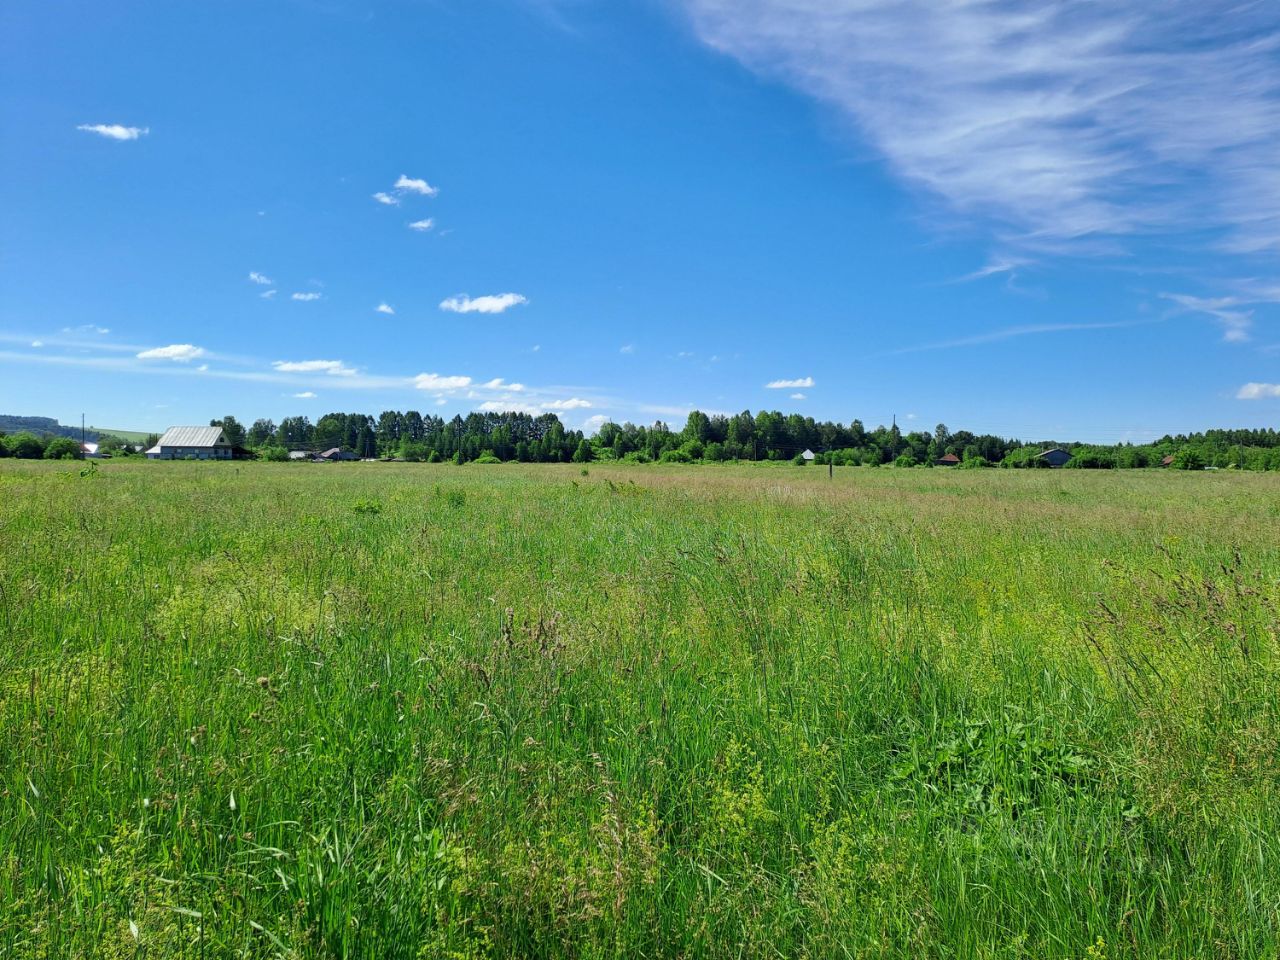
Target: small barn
(948, 460)
(807, 455)
(192, 443)
(1054, 457)
(300, 454)
(336, 454)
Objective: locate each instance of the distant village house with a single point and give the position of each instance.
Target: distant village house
(948, 460)
(192, 443)
(1055, 457)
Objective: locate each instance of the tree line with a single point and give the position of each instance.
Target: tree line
(764, 436)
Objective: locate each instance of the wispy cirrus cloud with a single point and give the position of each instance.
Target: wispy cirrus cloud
(493, 303)
(789, 384)
(1010, 333)
(334, 368)
(179, 352)
(304, 395)
(114, 131)
(422, 226)
(259, 278)
(306, 297)
(1258, 391)
(1053, 120)
(1235, 322)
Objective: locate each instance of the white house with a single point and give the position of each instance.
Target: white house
(808, 455)
(192, 443)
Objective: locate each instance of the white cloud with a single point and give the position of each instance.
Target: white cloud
(37, 343)
(422, 226)
(627, 348)
(573, 403)
(508, 406)
(497, 383)
(304, 395)
(385, 308)
(181, 352)
(305, 297)
(387, 199)
(114, 131)
(268, 294)
(88, 328)
(493, 303)
(256, 277)
(409, 185)
(332, 367)
(1058, 119)
(789, 384)
(593, 424)
(433, 381)
(799, 396)
(1258, 391)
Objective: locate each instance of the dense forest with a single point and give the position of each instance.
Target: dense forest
(767, 435)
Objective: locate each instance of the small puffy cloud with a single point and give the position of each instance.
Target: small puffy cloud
(433, 381)
(593, 424)
(304, 395)
(627, 348)
(789, 384)
(181, 352)
(256, 277)
(37, 343)
(799, 396)
(334, 368)
(409, 185)
(1258, 391)
(203, 368)
(422, 226)
(385, 308)
(493, 303)
(386, 199)
(305, 297)
(497, 383)
(573, 403)
(268, 294)
(114, 131)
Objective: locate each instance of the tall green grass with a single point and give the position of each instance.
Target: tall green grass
(388, 711)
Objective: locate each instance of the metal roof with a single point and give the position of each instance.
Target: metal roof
(192, 437)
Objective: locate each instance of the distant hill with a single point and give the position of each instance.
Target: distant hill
(129, 436)
(42, 425)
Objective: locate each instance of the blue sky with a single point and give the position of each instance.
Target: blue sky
(1050, 219)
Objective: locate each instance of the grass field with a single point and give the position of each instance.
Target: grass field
(399, 710)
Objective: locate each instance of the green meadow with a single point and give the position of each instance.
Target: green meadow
(431, 711)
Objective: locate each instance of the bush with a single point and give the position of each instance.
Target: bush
(487, 457)
(26, 446)
(905, 460)
(675, 456)
(974, 463)
(274, 454)
(637, 456)
(63, 448)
